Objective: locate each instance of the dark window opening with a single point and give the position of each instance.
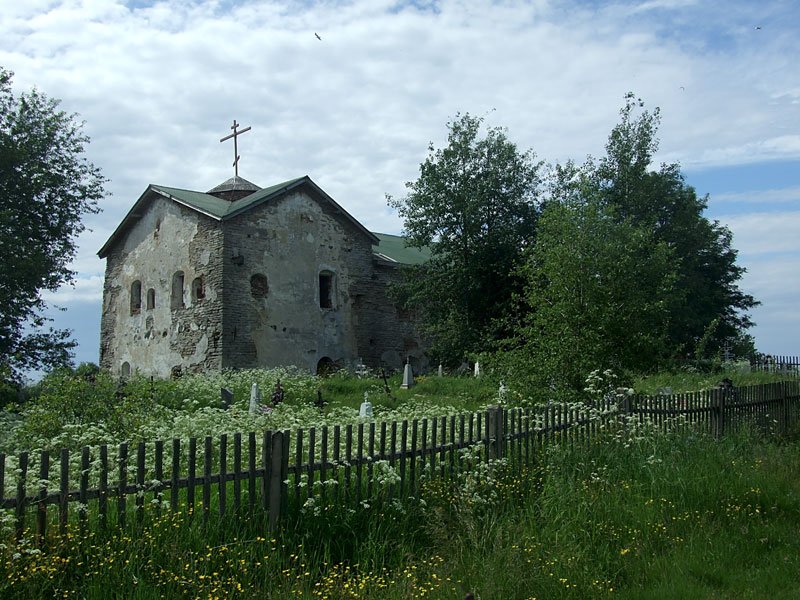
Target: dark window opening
(198, 289)
(136, 297)
(176, 301)
(125, 369)
(259, 286)
(326, 366)
(151, 299)
(326, 289)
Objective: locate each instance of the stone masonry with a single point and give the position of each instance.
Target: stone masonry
(244, 277)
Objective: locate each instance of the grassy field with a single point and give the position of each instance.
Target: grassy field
(637, 514)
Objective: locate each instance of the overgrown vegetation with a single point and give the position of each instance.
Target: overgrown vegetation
(635, 514)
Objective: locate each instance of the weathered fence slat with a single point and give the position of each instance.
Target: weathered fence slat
(103, 491)
(370, 458)
(22, 469)
(83, 494)
(159, 474)
(312, 438)
(191, 475)
(337, 434)
(41, 509)
(359, 461)
(237, 472)
(140, 451)
(323, 458)
(251, 471)
(222, 494)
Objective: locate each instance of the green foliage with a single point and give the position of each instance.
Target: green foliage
(626, 273)
(474, 207)
(707, 285)
(46, 185)
(594, 297)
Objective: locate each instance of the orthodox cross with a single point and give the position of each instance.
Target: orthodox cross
(235, 145)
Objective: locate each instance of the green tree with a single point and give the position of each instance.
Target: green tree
(474, 207)
(707, 289)
(46, 185)
(595, 293)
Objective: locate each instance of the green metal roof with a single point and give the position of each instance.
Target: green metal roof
(394, 247)
(220, 208)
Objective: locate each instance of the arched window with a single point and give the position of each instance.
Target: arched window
(136, 297)
(198, 289)
(326, 291)
(151, 299)
(259, 286)
(125, 369)
(176, 301)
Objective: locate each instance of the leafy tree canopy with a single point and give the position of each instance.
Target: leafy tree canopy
(46, 186)
(707, 303)
(474, 206)
(595, 291)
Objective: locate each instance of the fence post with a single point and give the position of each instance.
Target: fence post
(496, 432)
(718, 411)
(624, 404)
(275, 483)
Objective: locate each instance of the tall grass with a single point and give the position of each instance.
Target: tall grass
(635, 513)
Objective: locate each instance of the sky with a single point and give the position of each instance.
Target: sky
(159, 82)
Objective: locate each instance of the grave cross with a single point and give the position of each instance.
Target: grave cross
(727, 350)
(235, 145)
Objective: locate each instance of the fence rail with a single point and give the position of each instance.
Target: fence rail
(277, 472)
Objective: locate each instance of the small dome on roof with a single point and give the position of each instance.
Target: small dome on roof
(234, 189)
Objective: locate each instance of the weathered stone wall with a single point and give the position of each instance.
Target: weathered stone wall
(164, 339)
(386, 336)
(290, 241)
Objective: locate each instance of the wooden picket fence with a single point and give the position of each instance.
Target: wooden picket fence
(789, 365)
(277, 472)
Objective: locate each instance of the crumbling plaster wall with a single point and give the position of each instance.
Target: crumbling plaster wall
(163, 340)
(290, 241)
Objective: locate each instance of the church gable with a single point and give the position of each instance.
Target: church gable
(308, 259)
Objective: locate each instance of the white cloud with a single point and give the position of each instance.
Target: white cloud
(83, 289)
(763, 197)
(159, 85)
(765, 233)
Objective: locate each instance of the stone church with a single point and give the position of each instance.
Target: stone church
(242, 277)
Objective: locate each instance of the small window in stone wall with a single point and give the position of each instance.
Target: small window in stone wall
(176, 301)
(326, 289)
(125, 369)
(259, 287)
(136, 297)
(198, 289)
(151, 299)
